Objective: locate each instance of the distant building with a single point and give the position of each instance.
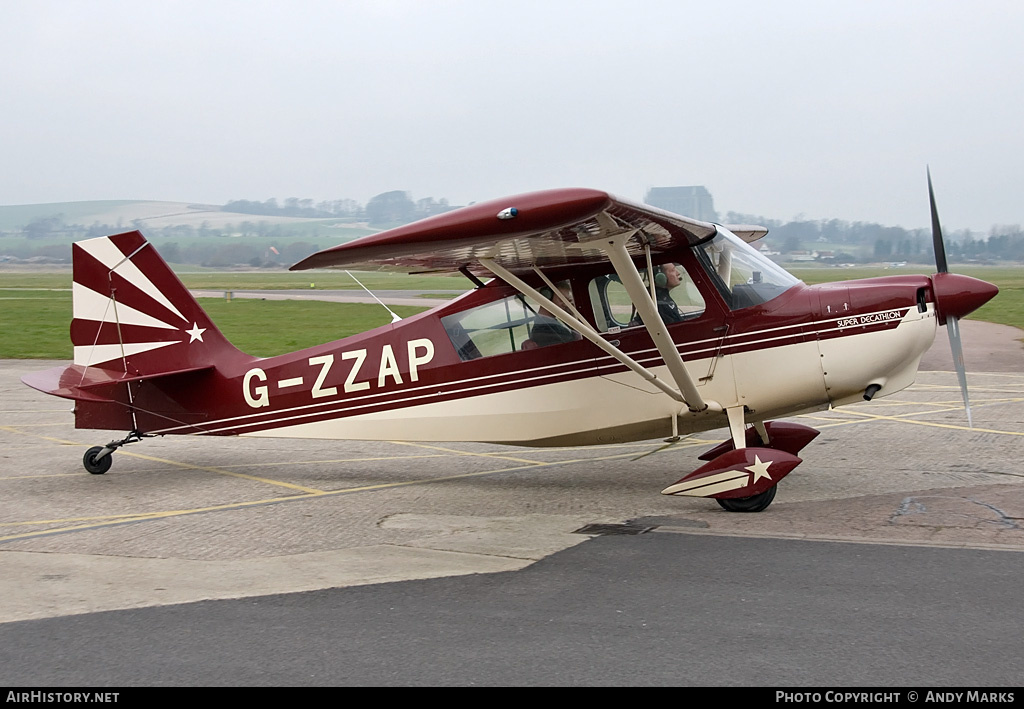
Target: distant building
(803, 255)
(694, 202)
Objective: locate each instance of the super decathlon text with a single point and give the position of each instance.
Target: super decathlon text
(871, 318)
(63, 697)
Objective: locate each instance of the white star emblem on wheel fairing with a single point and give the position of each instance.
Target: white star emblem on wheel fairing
(196, 333)
(759, 469)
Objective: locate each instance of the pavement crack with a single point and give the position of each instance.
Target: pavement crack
(914, 505)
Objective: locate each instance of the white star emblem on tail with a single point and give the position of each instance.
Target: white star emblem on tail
(196, 333)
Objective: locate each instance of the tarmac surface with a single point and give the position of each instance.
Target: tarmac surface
(890, 558)
(194, 518)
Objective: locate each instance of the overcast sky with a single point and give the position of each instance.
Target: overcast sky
(821, 109)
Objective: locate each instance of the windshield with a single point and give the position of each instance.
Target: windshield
(742, 275)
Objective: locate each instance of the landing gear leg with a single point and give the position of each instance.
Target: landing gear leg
(762, 431)
(97, 460)
(754, 503)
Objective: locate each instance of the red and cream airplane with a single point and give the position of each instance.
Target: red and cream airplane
(602, 321)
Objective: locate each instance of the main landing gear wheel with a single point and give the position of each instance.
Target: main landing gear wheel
(754, 503)
(94, 466)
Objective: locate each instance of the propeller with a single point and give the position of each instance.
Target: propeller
(952, 321)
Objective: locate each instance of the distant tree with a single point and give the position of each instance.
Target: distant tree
(181, 231)
(390, 209)
(428, 207)
(805, 231)
(43, 226)
(296, 251)
(97, 229)
(55, 253)
(347, 208)
(171, 252)
(742, 218)
(231, 255)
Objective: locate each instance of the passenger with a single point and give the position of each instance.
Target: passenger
(549, 330)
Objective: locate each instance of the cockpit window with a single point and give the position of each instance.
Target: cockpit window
(675, 293)
(742, 275)
(509, 325)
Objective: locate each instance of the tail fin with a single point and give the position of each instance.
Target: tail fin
(132, 314)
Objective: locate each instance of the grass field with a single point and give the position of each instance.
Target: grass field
(262, 280)
(322, 280)
(35, 323)
(35, 308)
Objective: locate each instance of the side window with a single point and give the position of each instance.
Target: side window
(495, 328)
(676, 295)
(610, 303)
(508, 325)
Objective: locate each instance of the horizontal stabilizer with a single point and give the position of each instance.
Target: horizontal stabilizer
(748, 232)
(80, 383)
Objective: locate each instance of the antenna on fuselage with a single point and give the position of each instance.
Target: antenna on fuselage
(394, 316)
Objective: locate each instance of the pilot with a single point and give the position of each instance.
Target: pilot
(667, 278)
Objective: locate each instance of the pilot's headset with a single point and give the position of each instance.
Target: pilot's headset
(660, 279)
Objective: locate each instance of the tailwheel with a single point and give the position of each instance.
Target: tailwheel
(754, 503)
(98, 459)
(97, 466)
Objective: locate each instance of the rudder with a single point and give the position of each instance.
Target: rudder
(132, 313)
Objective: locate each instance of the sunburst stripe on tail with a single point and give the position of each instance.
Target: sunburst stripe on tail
(107, 250)
(132, 313)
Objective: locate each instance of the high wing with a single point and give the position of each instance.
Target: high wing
(534, 230)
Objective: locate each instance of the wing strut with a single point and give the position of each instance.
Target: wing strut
(582, 328)
(647, 309)
(588, 333)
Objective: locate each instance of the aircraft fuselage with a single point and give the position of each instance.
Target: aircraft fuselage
(805, 350)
